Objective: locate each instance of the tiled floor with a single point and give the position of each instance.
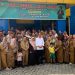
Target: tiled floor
(45, 69)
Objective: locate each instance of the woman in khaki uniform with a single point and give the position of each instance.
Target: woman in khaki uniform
(59, 52)
(25, 50)
(0, 58)
(74, 46)
(1, 37)
(71, 49)
(4, 49)
(47, 54)
(11, 52)
(66, 50)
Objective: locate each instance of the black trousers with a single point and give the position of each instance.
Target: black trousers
(32, 58)
(19, 64)
(39, 56)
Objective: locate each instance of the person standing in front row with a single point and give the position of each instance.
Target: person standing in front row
(25, 50)
(47, 54)
(4, 52)
(39, 42)
(12, 50)
(52, 52)
(59, 53)
(66, 50)
(32, 52)
(1, 37)
(19, 58)
(71, 49)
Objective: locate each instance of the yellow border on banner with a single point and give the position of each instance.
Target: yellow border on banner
(46, 1)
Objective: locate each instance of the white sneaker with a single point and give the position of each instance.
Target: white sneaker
(7, 69)
(70, 63)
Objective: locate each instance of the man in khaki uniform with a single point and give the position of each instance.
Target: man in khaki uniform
(25, 46)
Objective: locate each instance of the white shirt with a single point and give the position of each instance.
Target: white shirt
(33, 44)
(39, 42)
(19, 56)
(12, 41)
(9, 38)
(56, 35)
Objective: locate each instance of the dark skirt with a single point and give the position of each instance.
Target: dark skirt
(32, 58)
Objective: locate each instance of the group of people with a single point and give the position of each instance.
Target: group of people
(22, 48)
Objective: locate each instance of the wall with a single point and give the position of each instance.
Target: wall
(61, 25)
(35, 25)
(4, 25)
(72, 20)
